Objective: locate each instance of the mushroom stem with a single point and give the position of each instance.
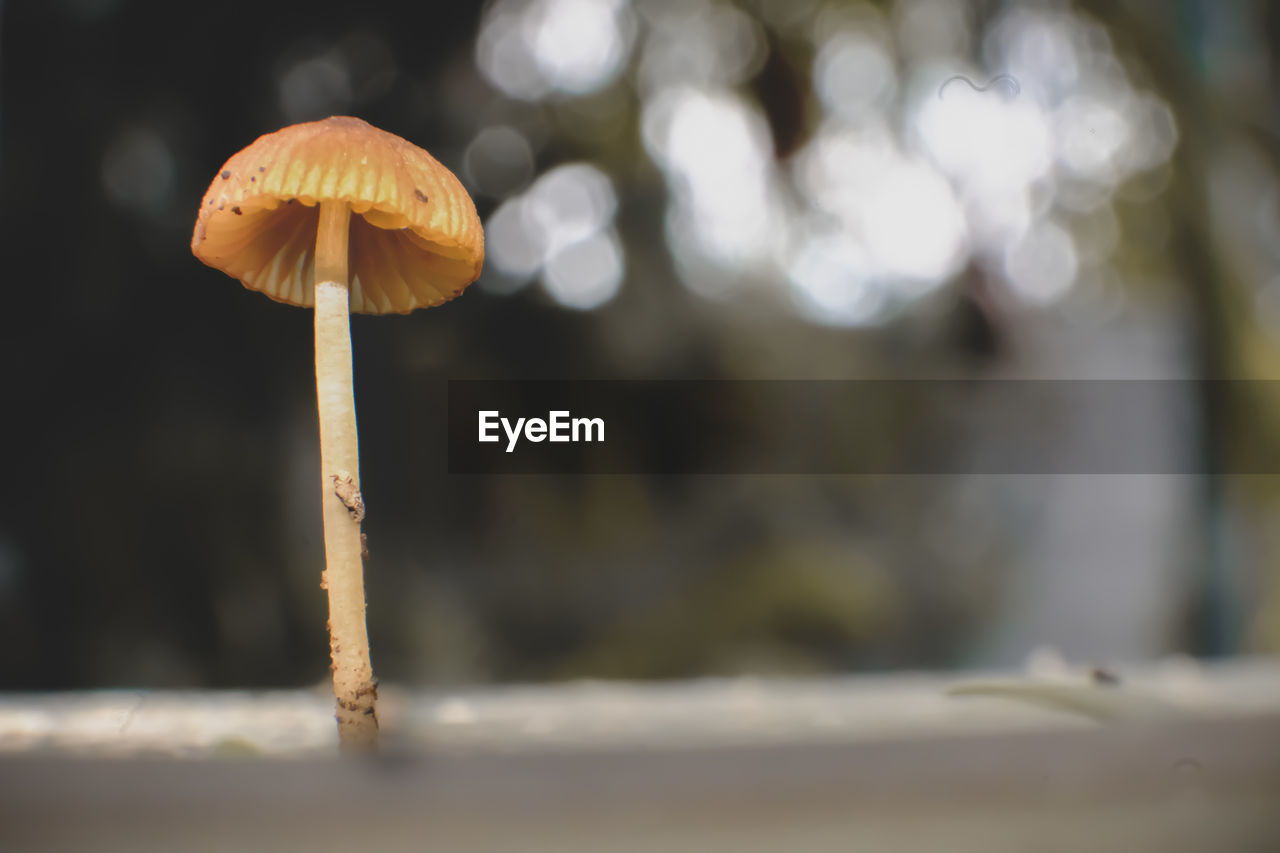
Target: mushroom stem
(354, 687)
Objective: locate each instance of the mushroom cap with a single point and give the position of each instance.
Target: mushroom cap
(415, 238)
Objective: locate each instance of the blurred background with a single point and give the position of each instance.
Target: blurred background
(702, 189)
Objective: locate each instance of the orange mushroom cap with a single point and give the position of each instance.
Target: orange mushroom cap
(415, 240)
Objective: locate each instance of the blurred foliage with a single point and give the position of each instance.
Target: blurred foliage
(158, 526)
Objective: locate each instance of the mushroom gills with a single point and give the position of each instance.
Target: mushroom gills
(271, 248)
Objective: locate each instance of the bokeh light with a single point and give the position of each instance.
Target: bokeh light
(315, 87)
(530, 49)
(975, 169)
(316, 82)
(833, 284)
(498, 161)
(560, 226)
(587, 273)
(138, 170)
(854, 75)
(715, 151)
(706, 44)
(1042, 266)
(902, 210)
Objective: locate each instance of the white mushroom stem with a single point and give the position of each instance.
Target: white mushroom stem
(353, 685)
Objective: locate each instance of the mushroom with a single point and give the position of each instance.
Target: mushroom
(342, 216)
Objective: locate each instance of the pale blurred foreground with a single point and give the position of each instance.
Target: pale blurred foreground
(1175, 757)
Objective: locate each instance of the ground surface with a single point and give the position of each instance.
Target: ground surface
(1175, 757)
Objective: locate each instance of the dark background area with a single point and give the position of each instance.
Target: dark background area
(160, 395)
(157, 525)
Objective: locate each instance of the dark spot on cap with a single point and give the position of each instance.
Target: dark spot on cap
(253, 178)
(420, 195)
(221, 205)
(226, 174)
(237, 211)
(262, 168)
